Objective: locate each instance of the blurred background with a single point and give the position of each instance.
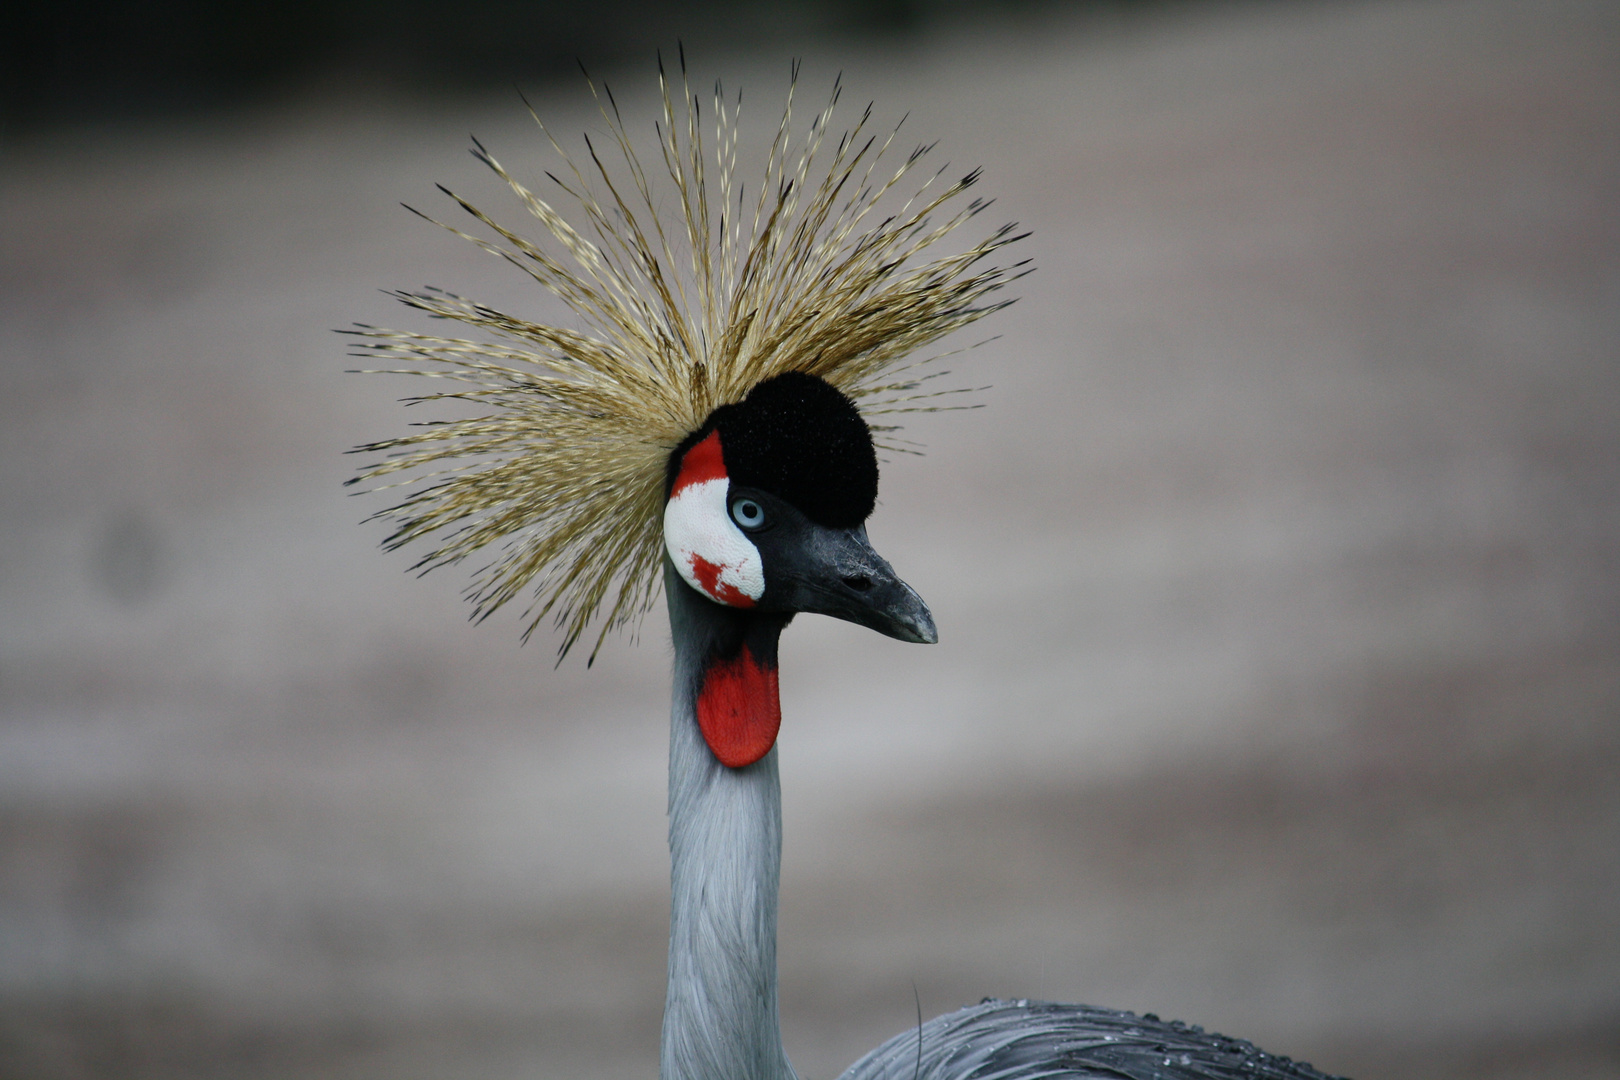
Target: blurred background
(1279, 681)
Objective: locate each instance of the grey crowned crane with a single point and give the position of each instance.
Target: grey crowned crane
(707, 432)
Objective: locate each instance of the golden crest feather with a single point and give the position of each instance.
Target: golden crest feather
(562, 479)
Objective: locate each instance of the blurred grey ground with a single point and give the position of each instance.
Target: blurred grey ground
(1280, 671)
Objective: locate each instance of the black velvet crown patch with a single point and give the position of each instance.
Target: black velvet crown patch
(800, 439)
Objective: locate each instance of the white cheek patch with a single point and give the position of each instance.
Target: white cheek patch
(710, 552)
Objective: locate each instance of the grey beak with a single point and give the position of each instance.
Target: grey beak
(837, 573)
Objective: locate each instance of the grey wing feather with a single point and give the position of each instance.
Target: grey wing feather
(1036, 1040)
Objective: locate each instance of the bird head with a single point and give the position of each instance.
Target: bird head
(766, 508)
(795, 319)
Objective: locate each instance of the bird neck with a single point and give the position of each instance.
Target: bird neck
(725, 844)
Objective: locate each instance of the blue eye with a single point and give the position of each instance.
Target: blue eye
(748, 513)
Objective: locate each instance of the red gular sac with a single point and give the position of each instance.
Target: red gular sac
(739, 708)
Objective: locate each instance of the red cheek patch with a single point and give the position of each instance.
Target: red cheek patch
(739, 709)
(708, 575)
(701, 463)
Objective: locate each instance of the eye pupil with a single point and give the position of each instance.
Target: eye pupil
(748, 513)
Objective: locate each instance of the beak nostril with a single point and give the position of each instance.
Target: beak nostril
(859, 582)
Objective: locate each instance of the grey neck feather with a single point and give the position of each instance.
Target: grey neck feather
(725, 844)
